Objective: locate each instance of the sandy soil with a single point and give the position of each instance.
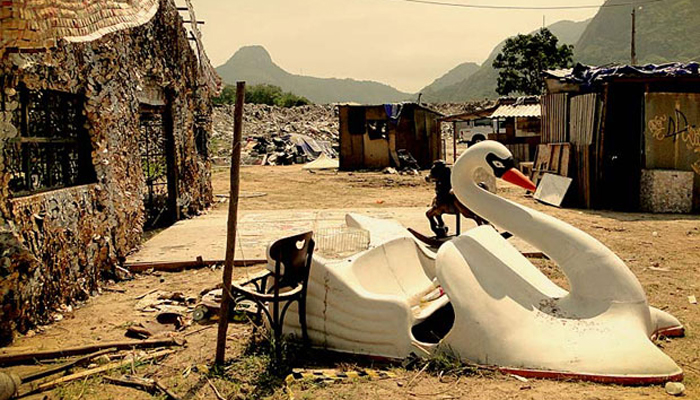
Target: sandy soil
(662, 250)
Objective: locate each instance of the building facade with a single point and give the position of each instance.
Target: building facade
(104, 132)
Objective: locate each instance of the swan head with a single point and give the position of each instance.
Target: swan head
(496, 159)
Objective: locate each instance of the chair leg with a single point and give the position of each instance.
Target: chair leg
(276, 326)
(302, 321)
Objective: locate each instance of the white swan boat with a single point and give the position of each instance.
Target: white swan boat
(480, 299)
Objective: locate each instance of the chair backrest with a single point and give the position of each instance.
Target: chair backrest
(294, 254)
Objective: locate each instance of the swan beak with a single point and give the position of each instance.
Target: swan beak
(516, 177)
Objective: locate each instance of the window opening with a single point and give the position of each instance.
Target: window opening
(52, 149)
(377, 129)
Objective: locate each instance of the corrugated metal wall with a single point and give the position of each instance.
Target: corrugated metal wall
(582, 118)
(555, 118)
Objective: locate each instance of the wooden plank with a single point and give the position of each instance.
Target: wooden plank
(177, 266)
(565, 161)
(19, 358)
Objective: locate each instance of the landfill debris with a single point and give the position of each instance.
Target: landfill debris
(209, 307)
(278, 135)
(163, 301)
(322, 163)
(692, 300)
(165, 322)
(675, 388)
(294, 135)
(407, 161)
(390, 171)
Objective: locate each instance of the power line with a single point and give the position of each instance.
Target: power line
(490, 7)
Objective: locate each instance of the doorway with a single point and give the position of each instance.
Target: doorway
(157, 155)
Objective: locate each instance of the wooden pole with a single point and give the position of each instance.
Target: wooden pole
(634, 37)
(454, 142)
(232, 222)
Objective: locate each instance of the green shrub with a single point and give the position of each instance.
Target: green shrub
(262, 94)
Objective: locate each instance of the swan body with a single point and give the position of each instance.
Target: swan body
(513, 316)
(498, 308)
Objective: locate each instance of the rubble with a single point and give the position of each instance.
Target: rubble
(277, 135)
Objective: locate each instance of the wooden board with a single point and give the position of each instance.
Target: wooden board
(553, 158)
(552, 189)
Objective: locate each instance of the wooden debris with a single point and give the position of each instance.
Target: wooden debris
(147, 385)
(113, 290)
(178, 266)
(24, 357)
(64, 367)
(141, 296)
(94, 371)
(216, 391)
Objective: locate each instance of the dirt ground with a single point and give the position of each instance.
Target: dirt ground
(662, 250)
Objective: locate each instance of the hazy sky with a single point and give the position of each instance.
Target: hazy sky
(403, 44)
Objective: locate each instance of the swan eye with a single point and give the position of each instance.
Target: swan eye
(498, 164)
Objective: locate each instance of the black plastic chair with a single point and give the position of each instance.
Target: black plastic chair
(290, 278)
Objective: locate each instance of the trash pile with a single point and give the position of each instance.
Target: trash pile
(277, 135)
(296, 135)
(284, 150)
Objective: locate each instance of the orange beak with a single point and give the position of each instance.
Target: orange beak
(516, 177)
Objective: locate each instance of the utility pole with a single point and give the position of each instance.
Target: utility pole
(634, 37)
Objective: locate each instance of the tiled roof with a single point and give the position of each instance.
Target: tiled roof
(38, 24)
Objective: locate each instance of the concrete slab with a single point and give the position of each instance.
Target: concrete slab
(205, 236)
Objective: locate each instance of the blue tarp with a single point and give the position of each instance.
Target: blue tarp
(589, 76)
(393, 112)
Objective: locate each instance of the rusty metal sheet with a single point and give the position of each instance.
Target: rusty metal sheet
(672, 134)
(555, 118)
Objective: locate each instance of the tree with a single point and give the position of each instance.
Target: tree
(525, 57)
(262, 94)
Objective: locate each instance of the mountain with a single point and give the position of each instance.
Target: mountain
(666, 31)
(454, 76)
(482, 83)
(254, 65)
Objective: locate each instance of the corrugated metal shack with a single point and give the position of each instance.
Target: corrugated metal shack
(620, 122)
(372, 136)
(105, 114)
(470, 127)
(518, 125)
(513, 121)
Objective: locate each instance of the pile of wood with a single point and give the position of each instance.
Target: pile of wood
(82, 362)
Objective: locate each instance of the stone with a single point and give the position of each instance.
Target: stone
(675, 388)
(666, 191)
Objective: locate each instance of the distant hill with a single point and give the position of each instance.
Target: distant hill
(482, 83)
(254, 65)
(454, 76)
(666, 31)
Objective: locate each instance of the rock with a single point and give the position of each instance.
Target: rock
(390, 171)
(675, 388)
